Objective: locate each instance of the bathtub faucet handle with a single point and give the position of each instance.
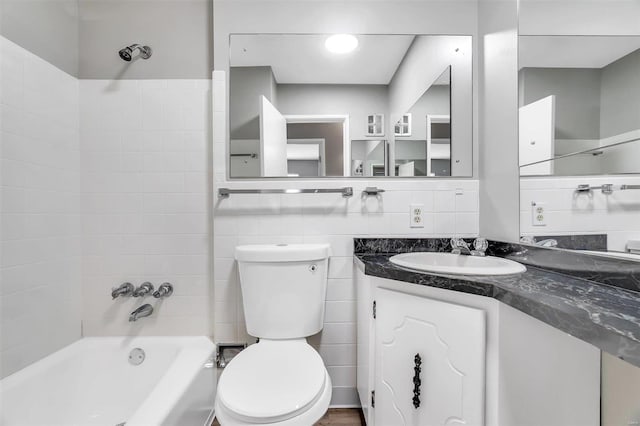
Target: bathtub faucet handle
(144, 289)
(125, 289)
(165, 290)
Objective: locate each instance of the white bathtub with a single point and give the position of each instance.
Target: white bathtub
(91, 382)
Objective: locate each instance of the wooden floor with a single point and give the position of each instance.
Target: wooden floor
(335, 416)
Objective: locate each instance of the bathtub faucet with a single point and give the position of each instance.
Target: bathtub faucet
(143, 311)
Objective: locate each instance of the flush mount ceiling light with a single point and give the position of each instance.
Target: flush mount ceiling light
(341, 43)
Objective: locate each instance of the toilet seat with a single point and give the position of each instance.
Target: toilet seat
(272, 382)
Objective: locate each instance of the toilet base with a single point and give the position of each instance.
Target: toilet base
(308, 418)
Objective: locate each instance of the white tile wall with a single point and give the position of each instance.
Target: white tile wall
(40, 264)
(146, 189)
(451, 207)
(569, 212)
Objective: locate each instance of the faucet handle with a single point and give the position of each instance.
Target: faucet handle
(454, 243)
(480, 244)
(144, 289)
(165, 290)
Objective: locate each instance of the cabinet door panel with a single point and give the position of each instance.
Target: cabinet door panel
(450, 340)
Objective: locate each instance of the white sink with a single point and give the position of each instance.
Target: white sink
(457, 264)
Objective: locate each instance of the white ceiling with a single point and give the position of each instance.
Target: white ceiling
(303, 59)
(574, 51)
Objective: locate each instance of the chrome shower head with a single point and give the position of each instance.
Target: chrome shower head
(127, 53)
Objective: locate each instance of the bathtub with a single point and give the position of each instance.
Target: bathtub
(92, 382)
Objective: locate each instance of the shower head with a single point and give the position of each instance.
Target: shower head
(127, 53)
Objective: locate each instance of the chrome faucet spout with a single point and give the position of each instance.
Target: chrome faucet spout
(143, 311)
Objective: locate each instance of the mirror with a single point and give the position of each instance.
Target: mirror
(302, 106)
(579, 142)
(579, 105)
(423, 135)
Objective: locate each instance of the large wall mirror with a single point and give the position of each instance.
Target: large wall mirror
(316, 105)
(579, 142)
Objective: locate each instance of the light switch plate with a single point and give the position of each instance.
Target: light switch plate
(538, 214)
(416, 219)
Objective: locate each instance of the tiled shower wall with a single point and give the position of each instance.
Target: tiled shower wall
(450, 206)
(146, 185)
(40, 263)
(569, 212)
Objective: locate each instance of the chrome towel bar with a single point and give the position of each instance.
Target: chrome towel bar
(347, 191)
(606, 188)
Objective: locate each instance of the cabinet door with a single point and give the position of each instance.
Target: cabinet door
(450, 342)
(364, 296)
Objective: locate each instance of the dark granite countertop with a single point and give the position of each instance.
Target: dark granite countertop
(603, 315)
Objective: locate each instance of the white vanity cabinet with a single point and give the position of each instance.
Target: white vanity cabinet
(429, 361)
(481, 362)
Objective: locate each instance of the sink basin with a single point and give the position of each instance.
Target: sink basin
(457, 264)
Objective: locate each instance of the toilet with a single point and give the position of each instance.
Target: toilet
(281, 380)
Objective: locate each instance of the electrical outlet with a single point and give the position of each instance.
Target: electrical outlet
(538, 214)
(415, 216)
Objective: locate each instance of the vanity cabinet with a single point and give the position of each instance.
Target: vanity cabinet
(481, 362)
(429, 361)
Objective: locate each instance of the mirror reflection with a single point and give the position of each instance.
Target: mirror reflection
(579, 143)
(423, 137)
(301, 107)
(579, 100)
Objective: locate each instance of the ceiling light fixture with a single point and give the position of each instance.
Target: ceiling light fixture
(341, 43)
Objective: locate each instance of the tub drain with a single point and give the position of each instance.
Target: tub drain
(136, 356)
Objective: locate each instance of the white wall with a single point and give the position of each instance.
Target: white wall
(180, 32)
(584, 17)
(145, 199)
(569, 213)
(40, 264)
(498, 127)
(451, 208)
(46, 28)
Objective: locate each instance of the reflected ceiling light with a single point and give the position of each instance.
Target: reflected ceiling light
(341, 43)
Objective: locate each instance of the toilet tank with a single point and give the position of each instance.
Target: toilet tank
(284, 288)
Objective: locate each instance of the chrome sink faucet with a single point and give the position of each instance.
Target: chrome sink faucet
(143, 311)
(460, 246)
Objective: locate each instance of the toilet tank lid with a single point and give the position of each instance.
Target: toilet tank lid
(282, 252)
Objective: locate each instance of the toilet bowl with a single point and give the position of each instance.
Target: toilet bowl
(282, 383)
(281, 380)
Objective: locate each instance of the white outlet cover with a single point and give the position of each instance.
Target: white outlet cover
(416, 215)
(538, 214)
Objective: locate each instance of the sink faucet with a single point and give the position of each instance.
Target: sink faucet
(549, 242)
(143, 311)
(125, 289)
(460, 246)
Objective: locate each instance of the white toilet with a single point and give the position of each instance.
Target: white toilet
(281, 380)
